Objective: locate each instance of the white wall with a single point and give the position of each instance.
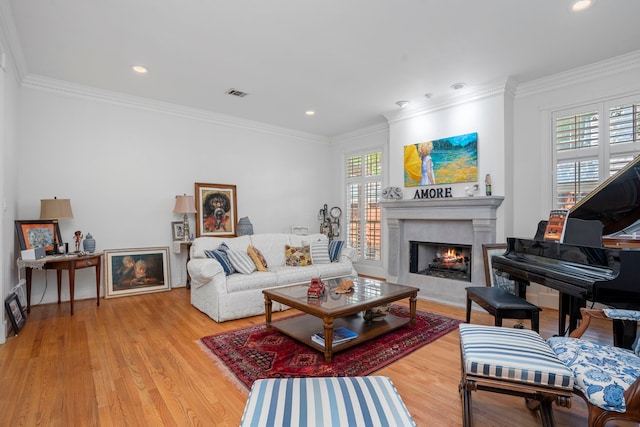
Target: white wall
(8, 180)
(122, 167)
(482, 114)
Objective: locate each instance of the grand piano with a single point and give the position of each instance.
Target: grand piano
(593, 263)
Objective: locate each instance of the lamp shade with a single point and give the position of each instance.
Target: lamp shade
(184, 205)
(55, 209)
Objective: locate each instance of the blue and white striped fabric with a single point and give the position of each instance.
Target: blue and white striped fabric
(334, 401)
(513, 354)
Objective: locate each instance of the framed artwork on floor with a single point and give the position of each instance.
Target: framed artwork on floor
(493, 277)
(136, 271)
(217, 214)
(15, 312)
(38, 233)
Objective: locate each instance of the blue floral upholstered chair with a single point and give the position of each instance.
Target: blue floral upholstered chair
(606, 377)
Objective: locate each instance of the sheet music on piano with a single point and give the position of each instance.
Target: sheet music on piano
(556, 225)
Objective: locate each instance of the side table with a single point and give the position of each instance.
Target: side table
(68, 262)
(188, 246)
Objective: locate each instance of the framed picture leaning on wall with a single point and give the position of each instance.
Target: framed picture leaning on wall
(136, 271)
(38, 233)
(217, 214)
(494, 277)
(15, 312)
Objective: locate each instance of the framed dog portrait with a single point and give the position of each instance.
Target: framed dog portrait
(38, 233)
(217, 214)
(136, 271)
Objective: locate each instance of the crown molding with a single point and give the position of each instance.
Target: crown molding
(468, 95)
(360, 133)
(80, 91)
(608, 67)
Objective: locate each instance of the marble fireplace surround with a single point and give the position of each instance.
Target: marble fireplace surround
(467, 221)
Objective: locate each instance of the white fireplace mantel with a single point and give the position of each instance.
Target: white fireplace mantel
(464, 220)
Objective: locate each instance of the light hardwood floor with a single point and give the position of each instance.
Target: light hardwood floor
(135, 361)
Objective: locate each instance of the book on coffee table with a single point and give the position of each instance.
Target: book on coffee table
(340, 335)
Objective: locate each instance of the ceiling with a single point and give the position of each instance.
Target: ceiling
(348, 60)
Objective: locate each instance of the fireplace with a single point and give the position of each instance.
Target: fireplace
(463, 223)
(449, 261)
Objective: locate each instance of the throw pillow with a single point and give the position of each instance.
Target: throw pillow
(257, 258)
(297, 256)
(221, 256)
(241, 261)
(335, 247)
(320, 252)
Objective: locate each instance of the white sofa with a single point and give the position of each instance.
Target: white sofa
(239, 295)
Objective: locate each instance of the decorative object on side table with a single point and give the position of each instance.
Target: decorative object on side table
(316, 288)
(89, 244)
(244, 227)
(42, 233)
(77, 236)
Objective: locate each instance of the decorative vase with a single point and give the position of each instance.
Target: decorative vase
(89, 243)
(244, 226)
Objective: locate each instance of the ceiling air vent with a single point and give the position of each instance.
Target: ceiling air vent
(236, 92)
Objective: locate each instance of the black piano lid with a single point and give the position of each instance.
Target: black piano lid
(615, 202)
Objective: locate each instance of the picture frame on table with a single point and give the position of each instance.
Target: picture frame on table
(177, 230)
(136, 271)
(38, 233)
(217, 208)
(15, 312)
(493, 277)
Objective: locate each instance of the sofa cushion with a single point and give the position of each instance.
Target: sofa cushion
(241, 261)
(272, 247)
(320, 252)
(257, 280)
(602, 372)
(257, 258)
(221, 256)
(297, 256)
(335, 247)
(292, 275)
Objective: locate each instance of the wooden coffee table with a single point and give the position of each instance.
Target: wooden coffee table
(339, 310)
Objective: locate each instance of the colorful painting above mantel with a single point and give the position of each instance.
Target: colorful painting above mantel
(442, 161)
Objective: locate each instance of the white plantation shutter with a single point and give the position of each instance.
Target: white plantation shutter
(591, 144)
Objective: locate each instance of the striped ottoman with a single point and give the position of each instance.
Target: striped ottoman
(335, 401)
(512, 361)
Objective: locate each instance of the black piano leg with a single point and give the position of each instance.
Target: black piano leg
(569, 306)
(624, 333)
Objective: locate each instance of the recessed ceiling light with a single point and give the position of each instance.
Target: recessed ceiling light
(402, 104)
(310, 113)
(580, 5)
(139, 69)
(457, 86)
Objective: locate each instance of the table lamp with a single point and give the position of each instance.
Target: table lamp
(56, 209)
(185, 205)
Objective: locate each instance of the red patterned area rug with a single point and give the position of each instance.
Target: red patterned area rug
(254, 352)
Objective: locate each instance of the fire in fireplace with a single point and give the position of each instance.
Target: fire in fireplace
(445, 260)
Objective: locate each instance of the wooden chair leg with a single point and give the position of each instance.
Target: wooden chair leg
(465, 394)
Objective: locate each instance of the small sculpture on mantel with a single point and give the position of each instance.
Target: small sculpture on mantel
(78, 238)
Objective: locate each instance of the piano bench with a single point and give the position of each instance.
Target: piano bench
(502, 305)
(516, 362)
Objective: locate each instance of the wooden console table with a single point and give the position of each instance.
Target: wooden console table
(71, 263)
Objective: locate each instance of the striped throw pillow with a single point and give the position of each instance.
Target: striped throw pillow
(221, 256)
(241, 261)
(335, 247)
(320, 252)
